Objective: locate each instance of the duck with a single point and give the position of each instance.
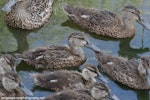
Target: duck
(97, 91)
(27, 14)
(134, 73)
(57, 56)
(7, 64)
(67, 79)
(106, 23)
(10, 85)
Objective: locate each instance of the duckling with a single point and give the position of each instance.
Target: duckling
(7, 64)
(131, 73)
(27, 14)
(57, 57)
(10, 81)
(106, 23)
(98, 91)
(9, 85)
(62, 79)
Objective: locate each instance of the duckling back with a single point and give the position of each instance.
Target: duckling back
(29, 14)
(52, 57)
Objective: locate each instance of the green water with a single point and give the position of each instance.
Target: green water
(59, 27)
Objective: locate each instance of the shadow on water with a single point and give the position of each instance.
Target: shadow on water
(21, 37)
(72, 25)
(129, 52)
(143, 95)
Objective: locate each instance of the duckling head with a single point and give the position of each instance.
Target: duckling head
(7, 63)
(144, 68)
(89, 72)
(99, 91)
(134, 14)
(11, 81)
(77, 39)
(8, 6)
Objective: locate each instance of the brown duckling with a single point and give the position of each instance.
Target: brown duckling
(106, 23)
(10, 81)
(10, 85)
(131, 73)
(27, 14)
(62, 79)
(57, 57)
(7, 64)
(97, 91)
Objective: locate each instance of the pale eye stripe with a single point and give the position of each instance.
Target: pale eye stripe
(92, 69)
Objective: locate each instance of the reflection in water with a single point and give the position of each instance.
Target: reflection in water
(143, 95)
(71, 24)
(21, 37)
(129, 52)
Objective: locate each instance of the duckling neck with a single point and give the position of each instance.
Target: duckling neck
(127, 25)
(148, 77)
(78, 51)
(22, 9)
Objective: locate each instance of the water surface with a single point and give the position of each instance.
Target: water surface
(59, 27)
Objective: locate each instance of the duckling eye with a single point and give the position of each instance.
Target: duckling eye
(132, 12)
(81, 38)
(12, 78)
(92, 70)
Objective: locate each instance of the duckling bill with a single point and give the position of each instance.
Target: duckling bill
(106, 23)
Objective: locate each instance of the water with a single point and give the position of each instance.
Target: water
(58, 28)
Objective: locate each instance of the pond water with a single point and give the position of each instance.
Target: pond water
(59, 27)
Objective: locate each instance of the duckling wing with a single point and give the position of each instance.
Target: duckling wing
(59, 80)
(122, 70)
(52, 57)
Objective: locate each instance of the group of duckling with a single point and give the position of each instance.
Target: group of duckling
(9, 79)
(73, 85)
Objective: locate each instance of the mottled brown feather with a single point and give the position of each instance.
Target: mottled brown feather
(103, 23)
(29, 14)
(122, 70)
(52, 57)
